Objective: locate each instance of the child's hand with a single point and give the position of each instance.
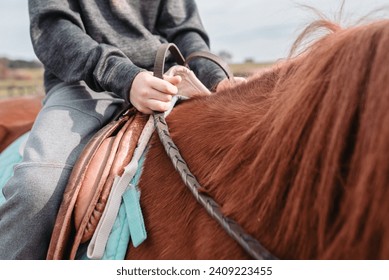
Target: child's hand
(149, 93)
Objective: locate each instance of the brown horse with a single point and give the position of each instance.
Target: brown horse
(16, 117)
(297, 156)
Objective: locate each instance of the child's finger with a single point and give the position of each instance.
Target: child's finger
(157, 105)
(159, 96)
(175, 80)
(165, 87)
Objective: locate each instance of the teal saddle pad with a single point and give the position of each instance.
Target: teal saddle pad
(8, 158)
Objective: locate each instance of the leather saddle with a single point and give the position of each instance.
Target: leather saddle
(90, 183)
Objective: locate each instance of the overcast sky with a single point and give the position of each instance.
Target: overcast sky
(262, 30)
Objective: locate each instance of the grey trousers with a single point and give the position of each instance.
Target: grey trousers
(71, 114)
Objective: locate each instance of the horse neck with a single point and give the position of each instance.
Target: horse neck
(280, 167)
(212, 135)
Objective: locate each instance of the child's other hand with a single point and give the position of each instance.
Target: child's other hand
(226, 83)
(149, 93)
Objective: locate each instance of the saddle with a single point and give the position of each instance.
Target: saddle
(89, 185)
(105, 157)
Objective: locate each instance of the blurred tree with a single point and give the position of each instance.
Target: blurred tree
(19, 63)
(226, 56)
(3, 68)
(249, 60)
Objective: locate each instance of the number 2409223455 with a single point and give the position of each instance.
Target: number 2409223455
(240, 270)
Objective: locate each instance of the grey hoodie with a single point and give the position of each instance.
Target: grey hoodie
(106, 43)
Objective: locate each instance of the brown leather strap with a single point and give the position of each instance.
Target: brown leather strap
(160, 58)
(162, 53)
(214, 58)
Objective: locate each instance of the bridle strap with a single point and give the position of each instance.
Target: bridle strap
(214, 58)
(247, 242)
(160, 58)
(163, 51)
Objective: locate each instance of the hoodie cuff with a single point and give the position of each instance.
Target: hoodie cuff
(121, 78)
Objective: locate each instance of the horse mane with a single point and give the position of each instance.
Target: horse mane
(299, 154)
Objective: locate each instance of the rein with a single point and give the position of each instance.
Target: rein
(248, 243)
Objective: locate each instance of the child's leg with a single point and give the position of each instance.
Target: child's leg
(70, 116)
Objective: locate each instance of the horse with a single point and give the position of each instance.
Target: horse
(16, 117)
(297, 156)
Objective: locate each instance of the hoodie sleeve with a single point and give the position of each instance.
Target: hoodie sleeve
(67, 51)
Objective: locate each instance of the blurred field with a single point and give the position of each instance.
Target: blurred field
(21, 82)
(248, 68)
(29, 81)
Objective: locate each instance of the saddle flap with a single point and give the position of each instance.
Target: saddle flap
(93, 176)
(121, 153)
(63, 227)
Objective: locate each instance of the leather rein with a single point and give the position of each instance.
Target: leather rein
(252, 246)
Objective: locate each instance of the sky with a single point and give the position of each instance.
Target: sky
(260, 30)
